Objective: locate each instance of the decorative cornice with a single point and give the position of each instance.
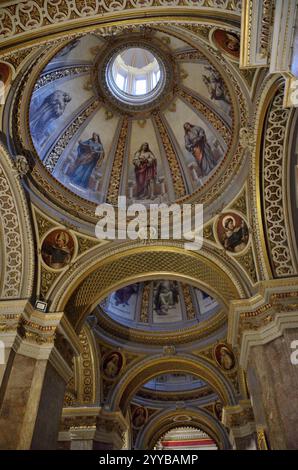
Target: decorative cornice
(96, 423)
(46, 336)
(264, 317)
(19, 20)
(239, 417)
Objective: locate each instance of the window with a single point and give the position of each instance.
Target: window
(134, 75)
(120, 81)
(141, 87)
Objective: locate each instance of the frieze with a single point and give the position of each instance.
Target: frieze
(68, 72)
(273, 156)
(19, 18)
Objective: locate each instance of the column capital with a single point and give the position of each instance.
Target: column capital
(42, 336)
(93, 423)
(111, 428)
(78, 423)
(239, 416)
(239, 419)
(264, 317)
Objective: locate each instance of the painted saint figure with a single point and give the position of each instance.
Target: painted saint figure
(227, 42)
(139, 417)
(216, 85)
(225, 359)
(232, 42)
(90, 155)
(52, 107)
(145, 171)
(196, 143)
(122, 296)
(166, 297)
(236, 237)
(224, 356)
(57, 254)
(112, 365)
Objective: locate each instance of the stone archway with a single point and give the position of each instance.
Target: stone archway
(79, 293)
(189, 416)
(147, 369)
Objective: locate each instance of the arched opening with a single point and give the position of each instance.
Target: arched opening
(185, 438)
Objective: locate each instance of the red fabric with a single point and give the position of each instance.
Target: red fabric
(196, 442)
(144, 174)
(197, 153)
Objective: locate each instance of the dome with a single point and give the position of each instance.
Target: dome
(149, 119)
(159, 305)
(174, 383)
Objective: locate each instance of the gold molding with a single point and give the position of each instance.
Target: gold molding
(130, 16)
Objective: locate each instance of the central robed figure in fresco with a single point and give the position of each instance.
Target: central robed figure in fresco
(146, 171)
(166, 297)
(196, 143)
(90, 155)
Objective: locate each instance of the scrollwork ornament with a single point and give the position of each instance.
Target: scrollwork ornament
(246, 138)
(169, 350)
(25, 17)
(277, 233)
(22, 165)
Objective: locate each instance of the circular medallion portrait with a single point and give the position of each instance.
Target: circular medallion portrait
(227, 42)
(232, 232)
(5, 75)
(139, 417)
(217, 409)
(112, 364)
(224, 356)
(57, 249)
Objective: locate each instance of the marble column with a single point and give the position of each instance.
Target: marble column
(10, 314)
(273, 384)
(264, 329)
(39, 352)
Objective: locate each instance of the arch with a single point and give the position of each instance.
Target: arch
(17, 248)
(170, 418)
(147, 369)
(82, 289)
(273, 237)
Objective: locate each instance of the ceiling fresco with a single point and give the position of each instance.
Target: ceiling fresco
(79, 127)
(174, 383)
(159, 304)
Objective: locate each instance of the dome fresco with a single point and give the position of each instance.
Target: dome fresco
(174, 383)
(162, 304)
(160, 148)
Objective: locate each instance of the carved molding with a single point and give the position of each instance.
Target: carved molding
(21, 19)
(264, 317)
(238, 416)
(16, 278)
(272, 188)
